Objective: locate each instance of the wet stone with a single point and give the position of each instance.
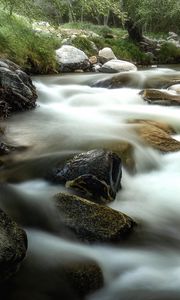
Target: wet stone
(13, 245)
(92, 222)
(17, 92)
(94, 175)
(160, 97)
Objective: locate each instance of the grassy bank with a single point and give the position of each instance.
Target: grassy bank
(19, 43)
(34, 50)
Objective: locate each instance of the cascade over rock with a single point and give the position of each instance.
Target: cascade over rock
(94, 175)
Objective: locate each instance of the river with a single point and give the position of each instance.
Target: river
(72, 117)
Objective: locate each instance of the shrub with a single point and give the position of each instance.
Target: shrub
(168, 53)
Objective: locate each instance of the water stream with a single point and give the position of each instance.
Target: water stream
(72, 117)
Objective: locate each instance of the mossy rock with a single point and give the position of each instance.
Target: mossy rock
(13, 245)
(92, 222)
(84, 278)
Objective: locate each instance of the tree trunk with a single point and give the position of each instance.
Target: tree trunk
(134, 30)
(106, 19)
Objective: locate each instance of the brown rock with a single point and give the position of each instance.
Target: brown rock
(157, 135)
(160, 97)
(92, 222)
(93, 60)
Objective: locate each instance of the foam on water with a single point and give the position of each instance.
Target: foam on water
(72, 117)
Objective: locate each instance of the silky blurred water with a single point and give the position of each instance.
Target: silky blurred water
(72, 117)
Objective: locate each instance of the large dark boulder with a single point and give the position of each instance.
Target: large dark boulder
(94, 175)
(17, 93)
(13, 245)
(92, 222)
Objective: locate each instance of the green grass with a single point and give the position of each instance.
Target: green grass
(35, 52)
(168, 54)
(122, 47)
(19, 43)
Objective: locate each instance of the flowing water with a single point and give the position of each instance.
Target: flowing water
(72, 117)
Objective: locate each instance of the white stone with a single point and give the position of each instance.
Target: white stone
(107, 53)
(116, 65)
(70, 55)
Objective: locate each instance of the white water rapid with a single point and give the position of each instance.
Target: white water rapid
(72, 117)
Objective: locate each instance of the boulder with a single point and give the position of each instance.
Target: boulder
(116, 66)
(13, 245)
(92, 222)
(157, 135)
(94, 175)
(105, 55)
(160, 97)
(17, 93)
(70, 58)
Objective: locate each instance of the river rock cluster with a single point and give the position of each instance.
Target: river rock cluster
(72, 59)
(90, 180)
(17, 93)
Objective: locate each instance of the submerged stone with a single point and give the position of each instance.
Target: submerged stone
(92, 222)
(157, 135)
(94, 175)
(160, 97)
(84, 278)
(139, 80)
(13, 245)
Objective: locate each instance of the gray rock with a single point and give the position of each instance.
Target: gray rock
(70, 58)
(116, 66)
(17, 93)
(105, 55)
(13, 245)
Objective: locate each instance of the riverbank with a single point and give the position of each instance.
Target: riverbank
(32, 46)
